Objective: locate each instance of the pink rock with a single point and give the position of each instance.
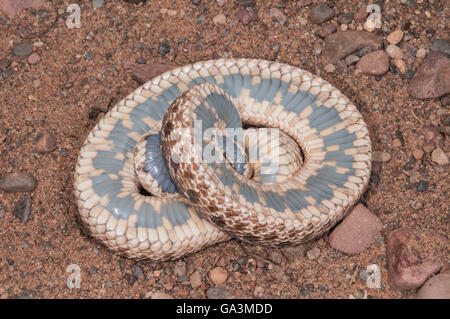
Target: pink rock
(432, 79)
(374, 63)
(46, 143)
(11, 7)
(361, 14)
(413, 257)
(34, 58)
(437, 287)
(356, 232)
(146, 72)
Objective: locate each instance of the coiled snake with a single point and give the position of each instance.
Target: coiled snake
(195, 203)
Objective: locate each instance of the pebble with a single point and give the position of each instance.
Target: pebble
(196, 2)
(294, 253)
(180, 268)
(428, 147)
(220, 19)
(317, 48)
(422, 186)
(400, 64)
(163, 48)
(138, 273)
(4, 64)
(36, 83)
(23, 49)
(22, 209)
(97, 3)
(381, 157)
(395, 37)
(303, 3)
(339, 45)
(141, 60)
(218, 293)
(345, 18)
(144, 73)
(418, 154)
(416, 204)
(18, 182)
(432, 79)
(412, 257)
(351, 59)
(245, 16)
(327, 29)
(437, 287)
(421, 53)
(356, 232)
(196, 279)
(370, 24)
(374, 63)
(160, 295)
(441, 46)
(313, 253)
(46, 143)
(394, 51)
(11, 7)
(361, 14)
(409, 51)
(277, 15)
(321, 13)
(439, 157)
(330, 68)
(220, 3)
(218, 275)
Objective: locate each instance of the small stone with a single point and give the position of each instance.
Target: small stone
(36, 83)
(409, 51)
(141, 60)
(345, 18)
(437, 287)
(220, 19)
(23, 49)
(11, 7)
(351, 59)
(160, 295)
(422, 186)
(303, 3)
(428, 147)
(277, 15)
(381, 157)
(330, 68)
(421, 53)
(432, 79)
(144, 73)
(220, 3)
(416, 204)
(418, 154)
(217, 293)
(327, 29)
(46, 143)
(218, 275)
(22, 209)
(395, 37)
(321, 13)
(195, 279)
(138, 273)
(374, 63)
(196, 2)
(394, 51)
(413, 256)
(97, 3)
(164, 48)
(18, 182)
(439, 157)
(180, 268)
(294, 253)
(4, 64)
(361, 14)
(313, 253)
(441, 46)
(356, 232)
(245, 16)
(401, 65)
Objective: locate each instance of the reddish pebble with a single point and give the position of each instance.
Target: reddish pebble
(356, 232)
(46, 143)
(146, 72)
(374, 63)
(34, 58)
(413, 256)
(437, 287)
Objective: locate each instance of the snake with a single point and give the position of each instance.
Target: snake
(143, 190)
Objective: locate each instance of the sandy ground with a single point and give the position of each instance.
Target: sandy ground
(81, 69)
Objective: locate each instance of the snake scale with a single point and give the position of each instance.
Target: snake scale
(324, 161)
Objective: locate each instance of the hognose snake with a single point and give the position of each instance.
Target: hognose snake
(123, 152)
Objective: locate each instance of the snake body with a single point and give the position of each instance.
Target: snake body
(218, 199)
